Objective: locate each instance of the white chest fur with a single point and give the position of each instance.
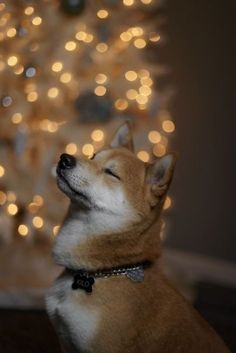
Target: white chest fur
(75, 323)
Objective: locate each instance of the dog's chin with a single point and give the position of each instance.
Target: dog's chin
(76, 196)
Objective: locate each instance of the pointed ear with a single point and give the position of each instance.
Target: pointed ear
(123, 137)
(160, 174)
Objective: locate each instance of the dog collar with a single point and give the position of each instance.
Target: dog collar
(85, 280)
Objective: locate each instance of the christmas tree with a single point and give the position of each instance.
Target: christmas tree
(71, 71)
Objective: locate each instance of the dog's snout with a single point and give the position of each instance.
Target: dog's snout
(67, 161)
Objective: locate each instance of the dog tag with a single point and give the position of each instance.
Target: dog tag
(83, 282)
(136, 275)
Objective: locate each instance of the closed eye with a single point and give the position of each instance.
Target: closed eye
(110, 172)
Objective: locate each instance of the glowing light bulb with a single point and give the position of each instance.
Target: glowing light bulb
(121, 104)
(37, 222)
(12, 60)
(36, 21)
(11, 32)
(131, 94)
(71, 148)
(16, 118)
(88, 149)
(126, 36)
(57, 66)
(66, 77)
(102, 14)
(128, 2)
(143, 156)
(38, 200)
(100, 90)
(140, 43)
(29, 10)
(101, 47)
(131, 75)
(2, 171)
(154, 37)
(23, 230)
(70, 45)
(32, 96)
(100, 78)
(159, 150)
(97, 135)
(53, 92)
(3, 198)
(168, 126)
(146, 2)
(154, 136)
(81, 35)
(12, 209)
(145, 90)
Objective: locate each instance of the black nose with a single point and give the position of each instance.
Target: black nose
(67, 161)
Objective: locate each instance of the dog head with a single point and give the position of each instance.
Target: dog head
(115, 182)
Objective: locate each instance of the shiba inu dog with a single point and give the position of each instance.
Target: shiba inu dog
(112, 296)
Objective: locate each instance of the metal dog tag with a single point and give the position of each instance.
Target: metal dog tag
(136, 275)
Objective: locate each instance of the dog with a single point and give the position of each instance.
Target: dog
(112, 296)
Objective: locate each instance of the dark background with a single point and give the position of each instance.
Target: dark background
(201, 53)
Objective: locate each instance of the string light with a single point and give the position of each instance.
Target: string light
(29, 10)
(11, 32)
(140, 43)
(32, 96)
(100, 90)
(66, 77)
(101, 47)
(71, 148)
(70, 45)
(121, 104)
(168, 126)
(146, 2)
(100, 78)
(12, 60)
(143, 73)
(37, 222)
(154, 37)
(80, 35)
(128, 2)
(2, 171)
(19, 69)
(136, 31)
(53, 92)
(126, 36)
(23, 230)
(141, 99)
(11, 196)
(3, 198)
(16, 118)
(36, 21)
(143, 156)
(154, 136)
(32, 207)
(12, 209)
(88, 38)
(145, 90)
(102, 14)
(88, 149)
(97, 135)
(38, 200)
(131, 75)
(159, 150)
(57, 66)
(131, 94)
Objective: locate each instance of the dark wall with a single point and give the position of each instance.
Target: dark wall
(201, 53)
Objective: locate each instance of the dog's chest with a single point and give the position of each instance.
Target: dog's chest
(75, 320)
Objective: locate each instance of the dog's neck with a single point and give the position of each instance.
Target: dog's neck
(82, 245)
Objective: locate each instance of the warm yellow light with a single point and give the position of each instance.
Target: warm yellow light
(142, 106)
(2, 171)
(101, 47)
(100, 78)
(88, 149)
(145, 90)
(38, 200)
(97, 135)
(56, 230)
(18, 69)
(37, 222)
(168, 126)
(141, 99)
(167, 203)
(12, 209)
(154, 37)
(57, 66)
(3, 198)
(29, 10)
(23, 230)
(11, 32)
(52, 126)
(32, 207)
(88, 38)
(146, 2)
(53, 92)
(136, 31)
(100, 90)
(66, 77)
(11, 196)
(154, 136)
(126, 36)
(121, 104)
(16, 118)
(131, 75)
(128, 2)
(2, 6)
(146, 81)
(37, 21)
(12, 60)
(143, 156)
(159, 150)
(32, 96)
(30, 87)
(70, 46)
(71, 148)
(81, 35)
(143, 73)
(131, 94)
(102, 13)
(140, 43)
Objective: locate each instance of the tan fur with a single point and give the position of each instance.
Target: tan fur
(147, 317)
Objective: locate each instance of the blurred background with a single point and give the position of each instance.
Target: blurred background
(71, 72)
